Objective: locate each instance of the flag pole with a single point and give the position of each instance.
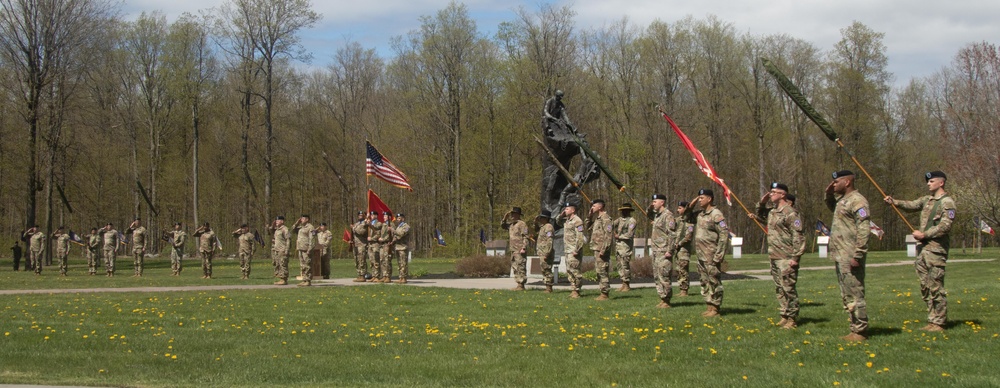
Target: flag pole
(796, 96)
(732, 194)
(562, 168)
(600, 164)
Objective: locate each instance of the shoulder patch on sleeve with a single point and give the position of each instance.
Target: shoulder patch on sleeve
(951, 214)
(863, 212)
(548, 234)
(579, 228)
(671, 226)
(797, 223)
(608, 228)
(722, 223)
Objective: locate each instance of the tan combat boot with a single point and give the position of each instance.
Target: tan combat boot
(932, 328)
(625, 287)
(548, 288)
(782, 322)
(359, 279)
(575, 294)
(854, 337)
(401, 280)
(281, 282)
(520, 287)
(790, 324)
(663, 305)
(604, 296)
(711, 311)
(305, 283)
(684, 293)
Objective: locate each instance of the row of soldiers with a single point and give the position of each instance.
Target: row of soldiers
(376, 241)
(700, 227)
(101, 244)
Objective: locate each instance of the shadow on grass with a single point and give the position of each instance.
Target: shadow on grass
(883, 331)
(737, 311)
(811, 321)
(812, 304)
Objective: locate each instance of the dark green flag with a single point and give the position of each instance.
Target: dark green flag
(795, 94)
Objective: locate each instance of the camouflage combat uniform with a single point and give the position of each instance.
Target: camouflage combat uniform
(323, 240)
(624, 232)
(682, 259)
(110, 238)
(385, 250)
(36, 247)
(93, 247)
(374, 248)
(279, 251)
(573, 241)
(179, 237)
(62, 250)
(849, 240)
(786, 243)
(663, 240)
(936, 216)
(543, 248)
(304, 244)
(359, 236)
(401, 236)
(711, 236)
(518, 232)
(600, 243)
(139, 242)
(206, 247)
(246, 242)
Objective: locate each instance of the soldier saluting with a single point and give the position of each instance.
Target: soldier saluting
(359, 238)
(518, 244)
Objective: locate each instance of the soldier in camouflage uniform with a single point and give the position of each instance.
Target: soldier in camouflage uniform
(36, 247)
(385, 248)
(517, 245)
(303, 245)
(663, 238)
(280, 243)
(62, 248)
(246, 243)
(177, 239)
(206, 248)
(849, 247)
(937, 212)
(110, 237)
(543, 248)
(599, 223)
(374, 248)
(401, 241)
(786, 243)
(139, 242)
(682, 260)
(573, 241)
(93, 249)
(359, 238)
(624, 232)
(711, 236)
(323, 239)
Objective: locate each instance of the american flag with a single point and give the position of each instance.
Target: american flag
(382, 168)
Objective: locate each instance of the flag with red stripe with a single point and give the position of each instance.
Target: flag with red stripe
(378, 165)
(699, 159)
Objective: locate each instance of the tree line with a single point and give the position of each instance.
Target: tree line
(218, 121)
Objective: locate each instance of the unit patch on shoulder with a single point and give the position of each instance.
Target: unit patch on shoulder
(951, 214)
(797, 224)
(863, 212)
(579, 228)
(722, 223)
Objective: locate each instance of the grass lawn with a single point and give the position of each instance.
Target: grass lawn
(391, 335)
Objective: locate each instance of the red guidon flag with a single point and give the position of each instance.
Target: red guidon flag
(347, 235)
(376, 164)
(376, 205)
(699, 159)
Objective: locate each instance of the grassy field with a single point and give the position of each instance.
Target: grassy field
(411, 336)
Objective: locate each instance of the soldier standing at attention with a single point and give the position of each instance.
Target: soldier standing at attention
(359, 238)
(543, 248)
(93, 249)
(303, 244)
(110, 237)
(599, 223)
(36, 247)
(246, 242)
(323, 238)
(685, 235)
(374, 248)
(662, 243)
(139, 241)
(711, 236)
(517, 245)
(279, 249)
(937, 212)
(62, 248)
(401, 238)
(849, 248)
(385, 248)
(573, 241)
(624, 233)
(785, 245)
(177, 239)
(206, 247)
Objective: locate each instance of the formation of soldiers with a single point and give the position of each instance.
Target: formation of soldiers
(700, 227)
(376, 242)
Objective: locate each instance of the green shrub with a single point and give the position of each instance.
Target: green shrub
(482, 266)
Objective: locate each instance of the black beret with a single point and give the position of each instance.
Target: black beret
(386, 213)
(545, 214)
(305, 216)
(515, 210)
(280, 218)
(935, 174)
(177, 224)
(660, 196)
(776, 185)
(361, 213)
(400, 215)
(600, 201)
(841, 173)
(569, 204)
(244, 226)
(706, 192)
(682, 203)
(790, 197)
(374, 212)
(322, 224)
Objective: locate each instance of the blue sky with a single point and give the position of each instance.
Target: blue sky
(922, 36)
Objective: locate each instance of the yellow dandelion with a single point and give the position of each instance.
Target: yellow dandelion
(868, 364)
(944, 374)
